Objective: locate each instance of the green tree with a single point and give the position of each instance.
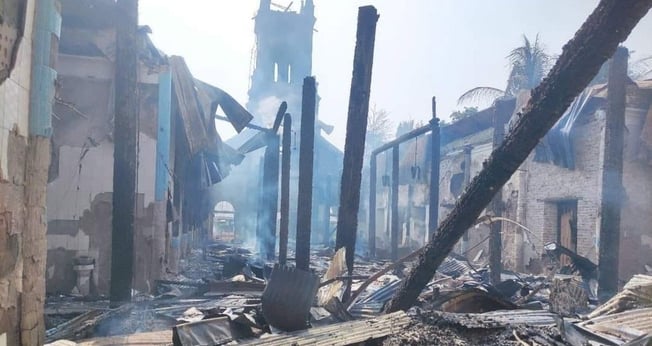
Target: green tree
(529, 64)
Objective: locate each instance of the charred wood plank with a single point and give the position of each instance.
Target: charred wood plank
(597, 39)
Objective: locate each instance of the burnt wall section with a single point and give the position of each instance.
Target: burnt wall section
(80, 181)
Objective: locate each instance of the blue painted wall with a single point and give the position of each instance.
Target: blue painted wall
(163, 137)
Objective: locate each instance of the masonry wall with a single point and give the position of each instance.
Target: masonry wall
(14, 118)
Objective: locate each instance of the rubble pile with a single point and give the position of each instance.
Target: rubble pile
(220, 298)
(433, 327)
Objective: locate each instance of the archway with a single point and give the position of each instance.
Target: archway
(223, 222)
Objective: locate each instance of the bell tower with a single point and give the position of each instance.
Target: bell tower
(283, 56)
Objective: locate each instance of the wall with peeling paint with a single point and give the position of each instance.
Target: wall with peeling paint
(81, 175)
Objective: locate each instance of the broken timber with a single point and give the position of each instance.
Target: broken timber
(356, 127)
(597, 39)
(306, 157)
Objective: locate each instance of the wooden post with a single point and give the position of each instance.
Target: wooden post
(608, 25)
(394, 203)
(306, 156)
(356, 129)
(433, 188)
(285, 190)
(125, 155)
(464, 244)
(496, 206)
(270, 194)
(373, 175)
(612, 176)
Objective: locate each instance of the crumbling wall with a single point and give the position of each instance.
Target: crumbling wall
(81, 181)
(14, 117)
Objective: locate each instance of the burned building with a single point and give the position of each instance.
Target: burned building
(283, 57)
(180, 155)
(556, 194)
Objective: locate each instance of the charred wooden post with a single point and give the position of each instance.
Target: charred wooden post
(496, 206)
(464, 245)
(356, 128)
(125, 155)
(433, 189)
(373, 176)
(306, 156)
(612, 175)
(285, 190)
(394, 204)
(597, 39)
(270, 194)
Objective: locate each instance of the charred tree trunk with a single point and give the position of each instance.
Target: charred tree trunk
(433, 189)
(612, 175)
(306, 157)
(356, 129)
(285, 190)
(125, 155)
(582, 57)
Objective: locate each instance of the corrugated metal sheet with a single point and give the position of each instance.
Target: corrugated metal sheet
(341, 333)
(621, 327)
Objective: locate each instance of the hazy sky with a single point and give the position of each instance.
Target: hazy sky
(423, 47)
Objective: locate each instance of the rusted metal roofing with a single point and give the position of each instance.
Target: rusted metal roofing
(341, 333)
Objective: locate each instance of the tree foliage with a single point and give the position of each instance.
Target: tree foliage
(529, 64)
(467, 112)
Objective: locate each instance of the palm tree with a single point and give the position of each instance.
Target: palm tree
(529, 64)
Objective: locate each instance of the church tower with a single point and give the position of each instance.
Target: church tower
(283, 57)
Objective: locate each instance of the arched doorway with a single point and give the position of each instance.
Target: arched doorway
(223, 222)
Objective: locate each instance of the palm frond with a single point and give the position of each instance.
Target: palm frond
(480, 94)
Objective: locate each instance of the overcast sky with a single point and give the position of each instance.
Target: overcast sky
(424, 48)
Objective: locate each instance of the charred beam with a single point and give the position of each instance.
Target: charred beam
(500, 116)
(612, 175)
(433, 188)
(394, 204)
(306, 157)
(597, 39)
(125, 156)
(270, 194)
(356, 127)
(285, 190)
(373, 171)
